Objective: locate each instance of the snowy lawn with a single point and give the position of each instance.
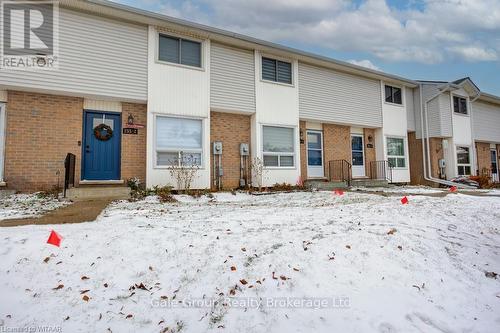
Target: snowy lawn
(27, 205)
(353, 263)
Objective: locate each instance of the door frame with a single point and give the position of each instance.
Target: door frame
(496, 162)
(322, 154)
(84, 128)
(3, 130)
(364, 157)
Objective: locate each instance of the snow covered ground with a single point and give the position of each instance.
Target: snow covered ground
(27, 205)
(291, 262)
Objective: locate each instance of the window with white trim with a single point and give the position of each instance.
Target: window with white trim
(178, 141)
(396, 152)
(459, 105)
(393, 95)
(179, 51)
(278, 146)
(276, 70)
(463, 161)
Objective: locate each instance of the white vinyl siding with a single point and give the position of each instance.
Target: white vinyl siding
(332, 96)
(486, 121)
(439, 112)
(410, 109)
(232, 79)
(97, 57)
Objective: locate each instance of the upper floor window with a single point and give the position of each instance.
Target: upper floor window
(459, 105)
(393, 95)
(276, 70)
(179, 51)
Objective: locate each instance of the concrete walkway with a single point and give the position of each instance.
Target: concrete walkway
(77, 212)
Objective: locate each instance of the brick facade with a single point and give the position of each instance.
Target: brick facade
(133, 162)
(416, 159)
(483, 158)
(41, 129)
(337, 144)
(231, 130)
(370, 155)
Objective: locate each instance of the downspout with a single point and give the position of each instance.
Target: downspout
(427, 155)
(473, 140)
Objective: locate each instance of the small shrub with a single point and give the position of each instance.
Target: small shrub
(53, 193)
(284, 187)
(164, 193)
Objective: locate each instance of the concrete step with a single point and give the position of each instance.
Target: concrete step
(98, 192)
(325, 185)
(366, 182)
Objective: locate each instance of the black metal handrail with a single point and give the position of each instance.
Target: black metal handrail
(340, 170)
(69, 172)
(381, 170)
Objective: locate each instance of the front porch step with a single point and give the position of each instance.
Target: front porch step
(98, 192)
(325, 185)
(366, 182)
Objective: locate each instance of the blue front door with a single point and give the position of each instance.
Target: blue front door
(101, 146)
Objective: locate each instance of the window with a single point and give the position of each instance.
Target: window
(179, 51)
(278, 146)
(178, 141)
(459, 105)
(463, 161)
(396, 152)
(393, 95)
(276, 70)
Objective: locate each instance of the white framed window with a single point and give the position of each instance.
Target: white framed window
(276, 70)
(179, 50)
(396, 155)
(278, 146)
(178, 141)
(463, 161)
(460, 105)
(393, 95)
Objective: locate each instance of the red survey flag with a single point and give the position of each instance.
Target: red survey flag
(338, 192)
(453, 189)
(54, 239)
(404, 201)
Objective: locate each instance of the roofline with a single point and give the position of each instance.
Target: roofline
(360, 70)
(489, 98)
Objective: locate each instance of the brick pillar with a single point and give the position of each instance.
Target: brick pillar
(231, 129)
(337, 143)
(133, 163)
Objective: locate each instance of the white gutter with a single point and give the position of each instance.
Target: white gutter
(427, 154)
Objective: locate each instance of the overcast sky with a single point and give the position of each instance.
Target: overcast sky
(418, 39)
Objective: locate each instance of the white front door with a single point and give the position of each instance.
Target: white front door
(2, 140)
(358, 155)
(315, 165)
(494, 165)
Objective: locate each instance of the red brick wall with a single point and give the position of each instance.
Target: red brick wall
(231, 129)
(42, 129)
(337, 143)
(133, 162)
(483, 157)
(416, 159)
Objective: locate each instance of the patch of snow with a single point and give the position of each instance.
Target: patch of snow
(407, 189)
(377, 266)
(27, 205)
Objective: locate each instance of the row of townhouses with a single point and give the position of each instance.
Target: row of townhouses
(137, 92)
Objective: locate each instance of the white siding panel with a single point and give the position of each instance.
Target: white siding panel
(97, 57)
(410, 109)
(330, 96)
(232, 82)
(3, 95)
(98, 105)
(486, 121)
(445, 113)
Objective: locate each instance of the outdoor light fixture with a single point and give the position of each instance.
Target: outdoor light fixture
(370, 138)
(130, 120)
